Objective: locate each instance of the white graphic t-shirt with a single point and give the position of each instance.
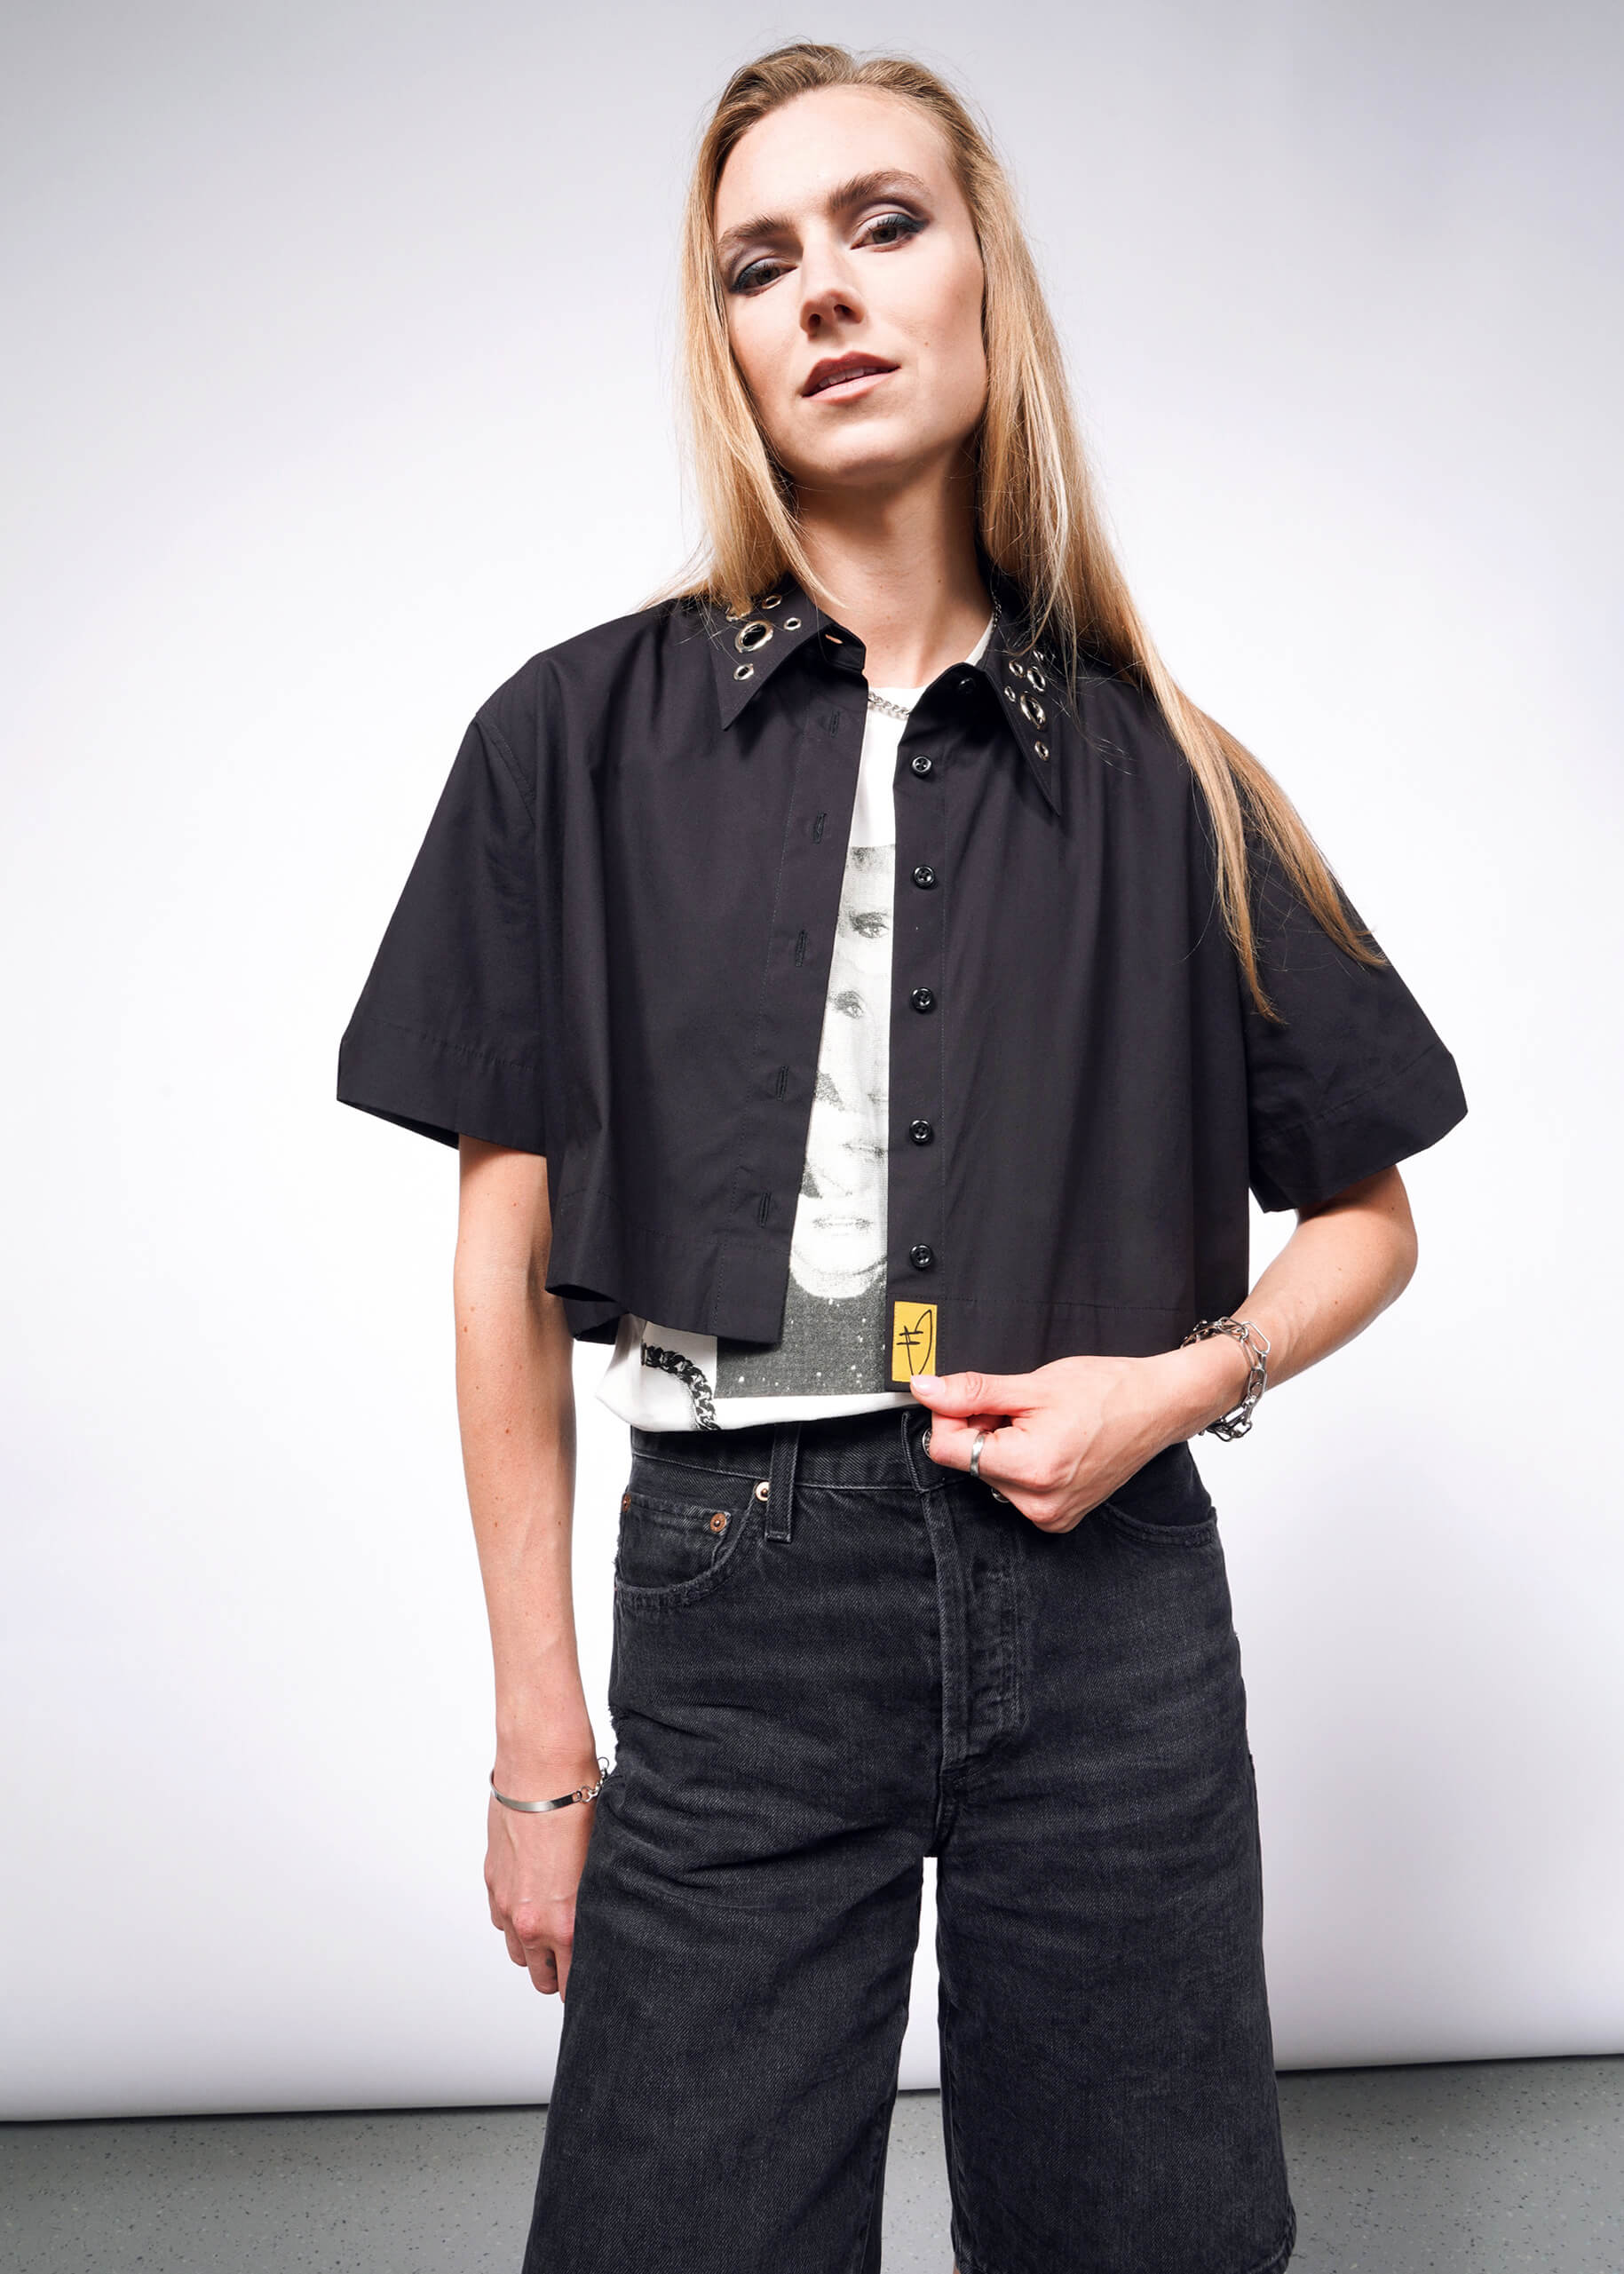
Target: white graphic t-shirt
(832, 1355)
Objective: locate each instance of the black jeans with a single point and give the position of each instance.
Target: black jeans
(831, 1660)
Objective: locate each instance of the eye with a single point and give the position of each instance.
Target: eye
(890, 229)
(758, 272)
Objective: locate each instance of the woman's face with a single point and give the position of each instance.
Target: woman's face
(839, 1246)
(854, 287)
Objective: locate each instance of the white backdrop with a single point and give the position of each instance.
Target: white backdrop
(339, 384)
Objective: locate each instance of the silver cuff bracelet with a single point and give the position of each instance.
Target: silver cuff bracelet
(540, 1807)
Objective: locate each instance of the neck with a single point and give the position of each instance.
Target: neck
(900, 569)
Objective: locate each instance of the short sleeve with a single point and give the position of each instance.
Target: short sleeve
(1353, 1079)
(447, 1037)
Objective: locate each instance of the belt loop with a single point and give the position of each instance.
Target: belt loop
(781, 1478)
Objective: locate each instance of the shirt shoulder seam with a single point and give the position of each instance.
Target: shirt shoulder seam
(498, 741)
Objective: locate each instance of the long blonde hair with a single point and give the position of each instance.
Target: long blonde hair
(1036, 514)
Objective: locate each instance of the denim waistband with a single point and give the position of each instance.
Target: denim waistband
(885, 1449)
(881, 1448)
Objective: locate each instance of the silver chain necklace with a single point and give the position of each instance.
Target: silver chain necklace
(905, 710)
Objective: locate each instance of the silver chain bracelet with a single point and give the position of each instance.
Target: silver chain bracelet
(540, 1807)
(1256, 1346)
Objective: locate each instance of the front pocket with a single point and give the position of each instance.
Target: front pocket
(680, 1533)
(1172, 1532)
(1167, 1497)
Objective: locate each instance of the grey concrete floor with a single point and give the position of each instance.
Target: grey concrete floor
(1485, 2168)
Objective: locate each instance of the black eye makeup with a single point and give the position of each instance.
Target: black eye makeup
(758, 274)
(895, 227)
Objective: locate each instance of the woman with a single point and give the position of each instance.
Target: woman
(863, 987)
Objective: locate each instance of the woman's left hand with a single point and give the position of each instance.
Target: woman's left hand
(1062, 1438)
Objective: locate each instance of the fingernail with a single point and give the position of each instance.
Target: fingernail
(927, 1381)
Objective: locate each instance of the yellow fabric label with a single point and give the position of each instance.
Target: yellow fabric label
(913, 1340)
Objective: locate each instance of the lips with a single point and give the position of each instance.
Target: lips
(833, 371)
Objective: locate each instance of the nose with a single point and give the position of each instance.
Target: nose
(829, 294)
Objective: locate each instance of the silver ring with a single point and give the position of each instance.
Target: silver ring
(976, 1444)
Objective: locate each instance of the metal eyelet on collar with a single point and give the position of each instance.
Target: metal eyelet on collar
(1034, 678)
(1030, 708)
(772, 600)
(751, 635)
(736, 616)
(1013, 693)
(792, 624)
(1014, 666)
(744, 670)
(1040, 749)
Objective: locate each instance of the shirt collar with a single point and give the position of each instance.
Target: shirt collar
(1019, 680)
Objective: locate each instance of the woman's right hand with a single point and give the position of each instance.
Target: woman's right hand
(533, 1867)
(515, 1403)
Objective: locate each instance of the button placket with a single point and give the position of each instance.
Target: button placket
(915, 1177)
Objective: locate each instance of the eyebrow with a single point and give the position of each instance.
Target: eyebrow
(844, 195)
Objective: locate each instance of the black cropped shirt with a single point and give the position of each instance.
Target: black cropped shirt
(614, 946)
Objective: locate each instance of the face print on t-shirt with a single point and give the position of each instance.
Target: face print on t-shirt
(839, 1242)
(833, 1340)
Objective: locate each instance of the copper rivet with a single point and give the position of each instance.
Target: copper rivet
(718, 1522)
(625, 1500)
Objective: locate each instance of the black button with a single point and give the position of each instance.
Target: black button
(920, 765)
(922, 999)
(924, 877)
(922, 1257)
(921, 1132)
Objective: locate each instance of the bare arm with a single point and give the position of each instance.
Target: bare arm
(516, 1409)
(1072, 1431)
